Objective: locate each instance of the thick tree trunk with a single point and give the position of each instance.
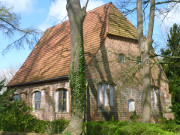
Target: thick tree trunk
(77, 74)
(145, 47)
(146, 85)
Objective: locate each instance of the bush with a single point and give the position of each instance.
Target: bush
(171, 126)
(57, 126)
(131, 128)
(17, 117)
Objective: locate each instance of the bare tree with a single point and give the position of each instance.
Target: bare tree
(77, 78)
(145, 43)
(145, 47)
(9, 26)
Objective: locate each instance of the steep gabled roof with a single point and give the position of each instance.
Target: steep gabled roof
(50, 58)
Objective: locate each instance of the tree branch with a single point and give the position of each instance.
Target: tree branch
(85, 7)
(151, 22)
(139, 22)
(170, 1)
(170, 57)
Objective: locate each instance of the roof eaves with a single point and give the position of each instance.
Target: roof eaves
(41, 81)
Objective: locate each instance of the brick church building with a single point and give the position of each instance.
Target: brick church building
(113, 71)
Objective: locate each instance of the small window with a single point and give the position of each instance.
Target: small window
(105, 94)
(121, 58)
(131, 105)
(16, 97)
(37, 100)
(139, 60)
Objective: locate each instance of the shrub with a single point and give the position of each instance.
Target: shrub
(18, 118)
(134, 117)
(130, 128)
(171, 126)
(57, 126)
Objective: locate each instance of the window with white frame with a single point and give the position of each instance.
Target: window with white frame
(105, 95)
(37, 100)
(62, 100)
(16, 97)
(131, 105)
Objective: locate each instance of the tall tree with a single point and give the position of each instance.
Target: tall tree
(170, 55)
(145, 43)
(145, 47)
(77, 78)
(171, 66)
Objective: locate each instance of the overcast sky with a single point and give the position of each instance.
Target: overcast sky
(42, 14)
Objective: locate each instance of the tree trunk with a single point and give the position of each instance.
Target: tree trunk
(146, 85)
(145, 47)
(77, 70)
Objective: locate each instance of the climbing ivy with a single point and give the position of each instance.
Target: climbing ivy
(78, 85)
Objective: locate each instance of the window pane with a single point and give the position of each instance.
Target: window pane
(60, 106)
(64, 106)
(111, 88)
(64, 94)
(155, 97)
(60, 95)
(99, 94)
(36, 106)
(105, 95)
(64, 100)
(37, 100)
(37, 96)
(131, 105)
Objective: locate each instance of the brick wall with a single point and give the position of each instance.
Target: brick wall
(47, 110)
(126, 79)
(106, 68)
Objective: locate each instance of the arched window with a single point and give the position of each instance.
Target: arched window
(16, 97)
(37, 100)
(121, 58)
(131, 105)
(62, 100)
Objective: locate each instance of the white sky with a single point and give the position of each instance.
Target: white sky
(20, 5)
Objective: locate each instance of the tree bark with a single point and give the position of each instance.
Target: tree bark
(145, 47)
(77, 78)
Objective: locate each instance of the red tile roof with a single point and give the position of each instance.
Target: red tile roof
(50, 58)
